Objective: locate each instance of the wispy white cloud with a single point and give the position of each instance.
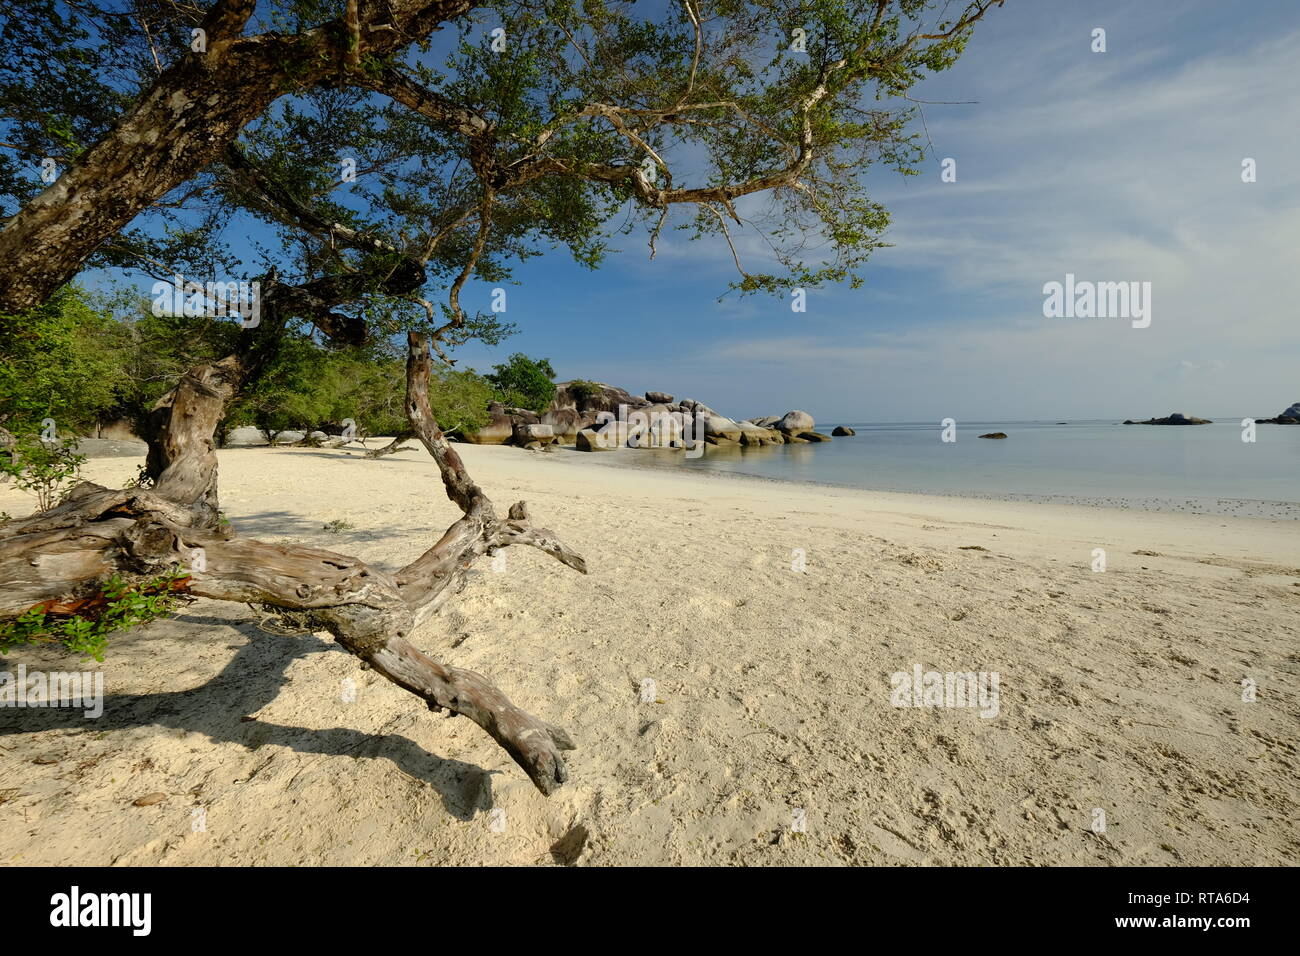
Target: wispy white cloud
(1108, 170)
(1116, 166)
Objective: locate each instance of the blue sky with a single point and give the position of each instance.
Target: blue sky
(1115, 166)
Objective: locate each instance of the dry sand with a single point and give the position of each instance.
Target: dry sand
(1119, 690)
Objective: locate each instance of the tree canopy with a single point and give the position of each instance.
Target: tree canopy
(388, 166)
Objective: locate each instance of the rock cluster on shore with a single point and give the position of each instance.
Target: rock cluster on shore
(1175, 418)
(598, 417)
(1289, 416)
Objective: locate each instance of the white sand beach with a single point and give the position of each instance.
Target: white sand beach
(1119, 691)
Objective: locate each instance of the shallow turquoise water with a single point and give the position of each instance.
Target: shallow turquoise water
(1194, 468)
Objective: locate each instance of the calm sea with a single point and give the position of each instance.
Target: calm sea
(1191, 468)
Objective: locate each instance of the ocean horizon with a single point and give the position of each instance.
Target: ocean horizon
(1199, 469)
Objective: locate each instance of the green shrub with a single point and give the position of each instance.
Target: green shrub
(581, 389)
(125, 606)
(48, 470)
(62, 360)
(524, 382)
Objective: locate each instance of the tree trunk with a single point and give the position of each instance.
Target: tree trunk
(60, 558)
(189, 116)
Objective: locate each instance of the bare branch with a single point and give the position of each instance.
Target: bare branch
(428, 103)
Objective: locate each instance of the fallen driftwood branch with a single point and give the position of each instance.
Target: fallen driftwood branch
(62, 557)
(392, 447)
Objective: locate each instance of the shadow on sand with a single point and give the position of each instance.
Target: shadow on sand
(248, 682)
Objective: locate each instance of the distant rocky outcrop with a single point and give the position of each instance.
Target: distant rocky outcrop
(575, 406)
(718, 429)
(1175, 418)
(534, 436)
(842, 430)
(1289, 416)
(594, 416)
(500, 428)
(609, 438)
(994, 435)
(792, 423)
(754, 434)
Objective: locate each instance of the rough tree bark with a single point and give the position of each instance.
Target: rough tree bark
(60, 558)
(189, 116)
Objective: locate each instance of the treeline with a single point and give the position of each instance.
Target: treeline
(88, 361)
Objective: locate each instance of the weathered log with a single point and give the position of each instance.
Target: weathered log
(62, 557)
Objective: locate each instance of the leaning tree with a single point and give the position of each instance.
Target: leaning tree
(511, 131)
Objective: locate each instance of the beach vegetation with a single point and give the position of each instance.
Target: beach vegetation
(581, 389)
(523, 382)
(46, 469)
(83, 626)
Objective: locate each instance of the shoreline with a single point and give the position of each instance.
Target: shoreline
(1263, 508)
(1269, 509)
